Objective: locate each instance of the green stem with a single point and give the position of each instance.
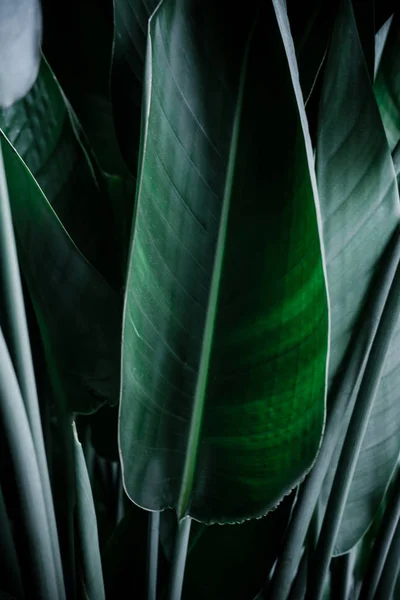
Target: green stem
(64, 477)
(86, 526)
(353, 441)
(120, 512)
(299, 585)
(11, 580)
(341, 569)
(22, 452)
(22, 358)
(382, 542)
(152, 557)
(342, 398)
(179, 559)
(388, 579)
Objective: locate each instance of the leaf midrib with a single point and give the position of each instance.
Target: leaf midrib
(206, 346)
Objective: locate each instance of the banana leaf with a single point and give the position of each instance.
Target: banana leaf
(360, 210)
(20, 38)
(77, 311)
(387, 84)
(43, 132)
(225, 323)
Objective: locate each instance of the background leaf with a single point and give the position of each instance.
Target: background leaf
(41, 129)
(387, 84)
(360, 210)
(80, 56)
(77, 311)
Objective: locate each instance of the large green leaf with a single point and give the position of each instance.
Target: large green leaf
(130, 35)
(360, 210)
(225, 324)
(77, 311)
(387, 83)
(20, 37)
(41, 129)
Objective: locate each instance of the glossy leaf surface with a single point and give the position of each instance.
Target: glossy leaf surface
(360, 210)
(225, 325)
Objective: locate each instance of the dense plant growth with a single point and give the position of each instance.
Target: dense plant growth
(199, 343)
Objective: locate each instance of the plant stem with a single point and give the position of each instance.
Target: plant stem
(179, 558)
(391, 569)
(382, 542)
(299, 585)
(11, 580)
(342, 398)
(22, 358)
(22, 452)
(341, 570)
(86, 526)
(353, 441)
(152, 556)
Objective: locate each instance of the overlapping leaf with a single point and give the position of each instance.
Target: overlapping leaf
(360, 210)
(311, 27)
(77, 311)
(225, 331)
(84, 70)
(40, 128)
(387, 84)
